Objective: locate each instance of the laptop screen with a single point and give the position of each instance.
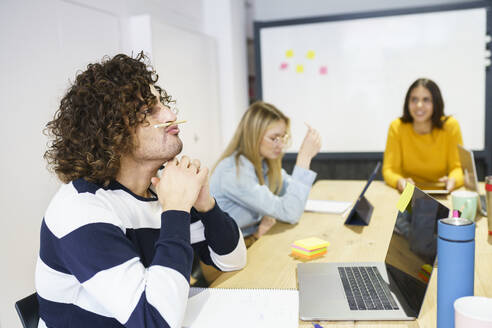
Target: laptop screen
(371, 177)
(468, 166)
(413, 248)
(362, 210)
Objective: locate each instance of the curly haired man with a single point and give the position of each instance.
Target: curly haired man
(117, 242)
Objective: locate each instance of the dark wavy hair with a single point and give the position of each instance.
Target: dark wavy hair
(97, 118)
(437, 103)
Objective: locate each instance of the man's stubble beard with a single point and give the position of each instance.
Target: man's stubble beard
(179, 147)
(175, 150)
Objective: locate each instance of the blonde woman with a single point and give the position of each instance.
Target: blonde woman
(248, 181)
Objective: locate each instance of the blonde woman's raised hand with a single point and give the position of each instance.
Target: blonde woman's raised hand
(310, 146)
(180, 184)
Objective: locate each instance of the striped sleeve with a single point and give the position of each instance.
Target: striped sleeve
(114, 282)
(218, 240)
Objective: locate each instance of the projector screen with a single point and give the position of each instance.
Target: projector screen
(348, 78)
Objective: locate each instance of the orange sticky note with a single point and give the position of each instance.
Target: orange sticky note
(308, 257)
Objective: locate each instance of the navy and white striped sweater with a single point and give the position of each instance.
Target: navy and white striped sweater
(110, 258)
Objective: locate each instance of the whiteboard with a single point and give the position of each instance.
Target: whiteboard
(348, 78)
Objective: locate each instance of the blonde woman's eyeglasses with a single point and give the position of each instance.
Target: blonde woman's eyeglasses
(280, 140)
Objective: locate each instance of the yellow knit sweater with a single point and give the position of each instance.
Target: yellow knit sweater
(423, 157)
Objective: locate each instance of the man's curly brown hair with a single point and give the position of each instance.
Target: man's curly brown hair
(97, 117)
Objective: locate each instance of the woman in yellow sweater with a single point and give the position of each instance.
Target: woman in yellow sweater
(422, 144)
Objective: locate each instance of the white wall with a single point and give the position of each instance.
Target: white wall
(43, 43)
(267, 10)
(40, 53)
(29, 75)
(189, 74)
(225, 20)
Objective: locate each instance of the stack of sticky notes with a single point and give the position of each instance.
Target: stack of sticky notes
(425, 272)
(309, 248)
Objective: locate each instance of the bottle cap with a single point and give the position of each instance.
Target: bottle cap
(456, 221)
(456, 229)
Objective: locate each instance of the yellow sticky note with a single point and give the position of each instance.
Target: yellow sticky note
(310, 54)
(427, 268)
(299, 68)
(405, 197)
(289, 53)
(311, 243)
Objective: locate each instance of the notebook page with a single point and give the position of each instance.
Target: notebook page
(326, 206)
(214, 307)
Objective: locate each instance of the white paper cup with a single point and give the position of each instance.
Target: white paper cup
(473, 311)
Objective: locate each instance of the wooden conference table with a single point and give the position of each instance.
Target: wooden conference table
(271, 266)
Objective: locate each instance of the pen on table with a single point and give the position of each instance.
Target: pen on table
(163, 125)
(317, 325)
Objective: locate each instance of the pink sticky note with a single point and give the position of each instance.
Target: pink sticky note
(323, 70)
(284, 66)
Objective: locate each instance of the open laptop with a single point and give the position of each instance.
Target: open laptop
(361, 212)
(433, 191)
(470, 174)
(434, 188)
(393, 290)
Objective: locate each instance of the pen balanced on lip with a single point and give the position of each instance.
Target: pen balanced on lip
(163, 125)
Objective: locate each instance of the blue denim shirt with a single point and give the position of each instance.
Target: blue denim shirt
(246, 201)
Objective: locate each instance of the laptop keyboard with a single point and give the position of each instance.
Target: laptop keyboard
(365, 289)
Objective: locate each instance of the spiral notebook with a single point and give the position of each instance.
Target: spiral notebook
(217, 307)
